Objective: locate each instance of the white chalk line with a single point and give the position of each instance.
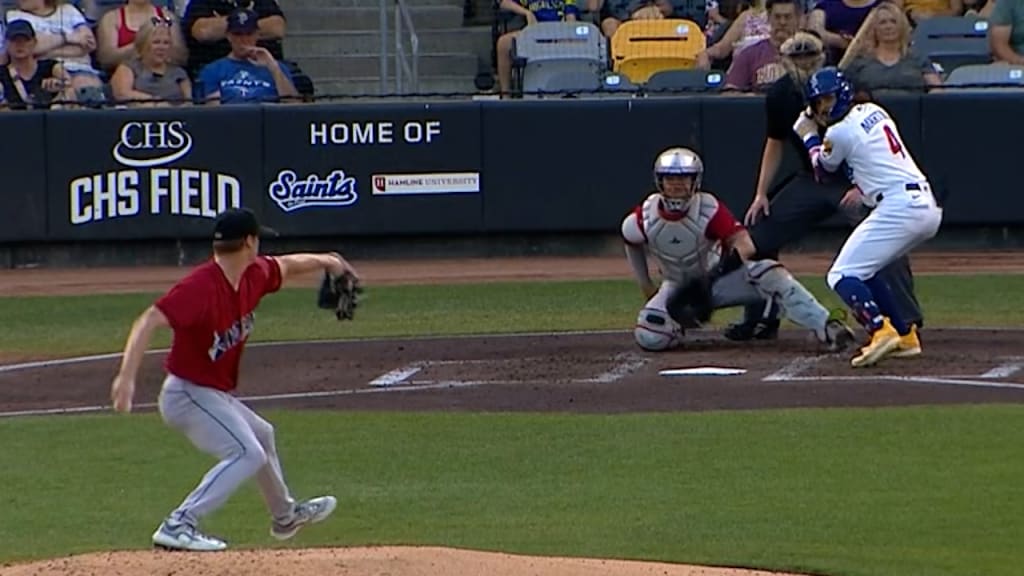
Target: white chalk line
(335, 341)
(626, 365)
(264, 398)
(1011, 365)
(795, 367)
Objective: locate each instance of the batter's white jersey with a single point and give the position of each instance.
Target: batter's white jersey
(869, 142)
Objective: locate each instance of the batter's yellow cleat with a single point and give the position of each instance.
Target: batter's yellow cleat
(910, 345)
(883, 341)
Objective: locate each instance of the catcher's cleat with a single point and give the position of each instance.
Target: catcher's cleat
(910, 345)
(883, 341)
(757, 330)
(839, 335)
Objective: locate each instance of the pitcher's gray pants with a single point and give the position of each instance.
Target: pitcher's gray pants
(220, 425)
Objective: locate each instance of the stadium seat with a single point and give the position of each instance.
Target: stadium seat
(642, 47)
(672, 82)
(953, 41)
(548, 49)
(573, 81)
(987, 77)
(614, 85)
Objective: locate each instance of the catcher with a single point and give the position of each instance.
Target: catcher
(211, 312)
(688, 231)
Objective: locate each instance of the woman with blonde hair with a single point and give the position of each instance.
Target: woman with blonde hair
(881, 58)
(117, 29)
(150, 77)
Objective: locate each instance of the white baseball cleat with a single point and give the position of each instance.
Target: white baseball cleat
(185, 537)
(308, 512)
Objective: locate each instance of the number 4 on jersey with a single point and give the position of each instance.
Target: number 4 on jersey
(894, 143)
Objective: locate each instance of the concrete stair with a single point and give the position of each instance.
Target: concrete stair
(338, 44)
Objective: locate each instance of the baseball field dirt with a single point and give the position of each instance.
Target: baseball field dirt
(595, 373)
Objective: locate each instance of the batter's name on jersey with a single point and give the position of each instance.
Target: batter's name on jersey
(238, 332)
(291, 193)
(146, 184)
(373, 133)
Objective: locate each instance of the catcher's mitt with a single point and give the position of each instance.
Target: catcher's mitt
(341, 294)
(690, 305)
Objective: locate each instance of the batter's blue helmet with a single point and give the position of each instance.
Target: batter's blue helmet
(830, 80)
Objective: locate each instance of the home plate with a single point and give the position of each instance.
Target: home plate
(702, 371)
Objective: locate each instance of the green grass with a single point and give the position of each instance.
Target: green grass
(893, 492)
(888, 492)
(94, 324)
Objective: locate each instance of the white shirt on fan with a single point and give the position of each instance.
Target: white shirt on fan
(66, 18)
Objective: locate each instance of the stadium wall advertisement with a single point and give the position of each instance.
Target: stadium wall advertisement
(365, 169)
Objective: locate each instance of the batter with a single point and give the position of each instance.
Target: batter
(863, 137)
(211, 312)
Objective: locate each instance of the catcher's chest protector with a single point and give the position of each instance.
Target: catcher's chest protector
(680, 246)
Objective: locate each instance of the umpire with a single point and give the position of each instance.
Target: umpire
(789, 201)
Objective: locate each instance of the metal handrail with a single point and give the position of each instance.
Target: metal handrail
(402, 64)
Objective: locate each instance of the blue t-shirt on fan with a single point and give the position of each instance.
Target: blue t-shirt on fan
(239, 81)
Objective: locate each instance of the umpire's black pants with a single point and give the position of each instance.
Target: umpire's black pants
(798, 205)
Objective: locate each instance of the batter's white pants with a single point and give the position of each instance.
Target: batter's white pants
(220, 425)
(902, 220)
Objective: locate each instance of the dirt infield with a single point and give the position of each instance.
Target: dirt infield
(593, 373)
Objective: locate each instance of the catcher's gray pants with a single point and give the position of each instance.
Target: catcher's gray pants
(733, 289)
(220, 425)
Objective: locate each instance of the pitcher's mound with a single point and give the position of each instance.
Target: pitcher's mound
(377, 561)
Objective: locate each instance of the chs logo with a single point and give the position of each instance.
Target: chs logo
(290, 193)
(147, 144)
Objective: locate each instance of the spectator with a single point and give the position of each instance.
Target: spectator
(117, 29)
(883, 60)
(206, 26)
(837, 22)
(918, 10)
(150, 74)
(978, 8)
(27, 82)
(758, 66)
(249, 73)
(719, 17)
(1006, 31)
(749, 28)
(534, 11)
(614, 12)
(62, 34)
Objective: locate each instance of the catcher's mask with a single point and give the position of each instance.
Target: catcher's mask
(677, 177)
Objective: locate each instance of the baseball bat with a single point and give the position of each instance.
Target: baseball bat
(854, 49)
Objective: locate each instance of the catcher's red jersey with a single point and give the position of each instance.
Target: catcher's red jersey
(211, 321)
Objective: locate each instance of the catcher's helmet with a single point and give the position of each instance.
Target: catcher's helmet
(678, 161)
(830, 81)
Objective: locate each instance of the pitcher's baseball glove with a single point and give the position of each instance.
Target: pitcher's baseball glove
(341, 294)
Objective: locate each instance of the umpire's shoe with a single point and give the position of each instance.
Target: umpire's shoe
(759, 329)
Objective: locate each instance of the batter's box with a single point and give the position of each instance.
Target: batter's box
(531, 370)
